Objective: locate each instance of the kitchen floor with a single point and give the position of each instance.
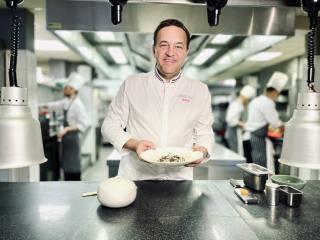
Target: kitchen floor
(98, 171)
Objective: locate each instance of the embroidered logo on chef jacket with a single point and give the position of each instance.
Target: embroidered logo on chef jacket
(185, 98)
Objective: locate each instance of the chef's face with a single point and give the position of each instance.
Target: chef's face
(245, 101)
(68, 91)
(170, 51)
(274, 95)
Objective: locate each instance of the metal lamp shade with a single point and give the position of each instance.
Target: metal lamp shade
(301, 145)
(20, 135)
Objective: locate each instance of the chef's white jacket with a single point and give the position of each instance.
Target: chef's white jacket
(175, 114)
(262, 111)
(234, 112)
(76, 114)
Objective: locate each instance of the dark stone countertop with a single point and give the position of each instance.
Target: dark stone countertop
(183, 210)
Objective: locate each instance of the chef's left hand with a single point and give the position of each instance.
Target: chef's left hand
(198, 161)
(62, 133)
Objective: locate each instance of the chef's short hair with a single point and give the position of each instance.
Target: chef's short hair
(271, 89)
(168, 23)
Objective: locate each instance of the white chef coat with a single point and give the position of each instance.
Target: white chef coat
(262, 111)
(76, 114)
(234, 112)
(175, 114)
(233, 116)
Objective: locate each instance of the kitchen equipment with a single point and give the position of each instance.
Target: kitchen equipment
(171, 156)
(254, 176)
(117, 192)
(234, 183)
(21, 142)
(247, 198)
(116, 10)
(290, 196)
(20, 135)
(244, 194)
(288, 180)
(302, 131)
(213, 11)
(272, 193)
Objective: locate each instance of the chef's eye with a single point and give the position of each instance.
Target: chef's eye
(179, 47)
(163, 45)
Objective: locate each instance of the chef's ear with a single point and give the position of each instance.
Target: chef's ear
(153, 49)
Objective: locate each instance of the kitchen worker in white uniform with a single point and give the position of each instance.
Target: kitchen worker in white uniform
(235, 125)
(162, 108)
(262, 114)
(75, 121)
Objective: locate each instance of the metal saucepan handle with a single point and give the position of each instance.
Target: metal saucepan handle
(88, 194)
(235, 183)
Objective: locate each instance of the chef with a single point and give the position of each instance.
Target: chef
(235, 125)
(162, 108)
(75, 121)
(262, 114)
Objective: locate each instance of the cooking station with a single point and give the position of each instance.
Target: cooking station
(200, 209)
(222, 164)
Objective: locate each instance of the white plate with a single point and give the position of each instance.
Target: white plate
(153, 155)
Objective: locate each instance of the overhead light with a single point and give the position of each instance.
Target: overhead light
(85, 52)
(117, 55)
(116, 10)
(50, 45)
(106, 36)
(214, 10)
(302, 132)
(264, 56)
(17, 127)
(221, 39)
(203, 56)
(229, 82)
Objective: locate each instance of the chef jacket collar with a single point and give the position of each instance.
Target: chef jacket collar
(159, 77)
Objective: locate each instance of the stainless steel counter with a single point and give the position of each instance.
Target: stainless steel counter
(222, 164)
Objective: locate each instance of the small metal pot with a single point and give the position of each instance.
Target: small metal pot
(254, 176)
(290, 196)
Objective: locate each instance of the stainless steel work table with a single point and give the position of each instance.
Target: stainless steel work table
(203, 209)
(222, 164)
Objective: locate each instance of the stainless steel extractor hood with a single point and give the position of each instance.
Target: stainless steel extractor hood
(240, 17)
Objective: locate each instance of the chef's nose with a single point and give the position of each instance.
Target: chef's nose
(170, 50)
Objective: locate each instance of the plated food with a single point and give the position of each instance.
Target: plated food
(171, 156)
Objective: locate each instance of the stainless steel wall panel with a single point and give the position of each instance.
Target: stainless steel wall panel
(145, 16)
(254, 3)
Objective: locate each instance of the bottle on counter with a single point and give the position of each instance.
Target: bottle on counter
(272, 193)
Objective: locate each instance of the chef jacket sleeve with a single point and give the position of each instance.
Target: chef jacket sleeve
(203, 127)
(233, 114)
(82, 120)
(272, 116)
(56, 106)
(116, 120)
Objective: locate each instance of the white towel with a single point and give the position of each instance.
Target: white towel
(240, 141)
(270, 154)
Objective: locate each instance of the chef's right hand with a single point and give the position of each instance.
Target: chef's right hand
(241, 124)
(143, 145)
(139, 146)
